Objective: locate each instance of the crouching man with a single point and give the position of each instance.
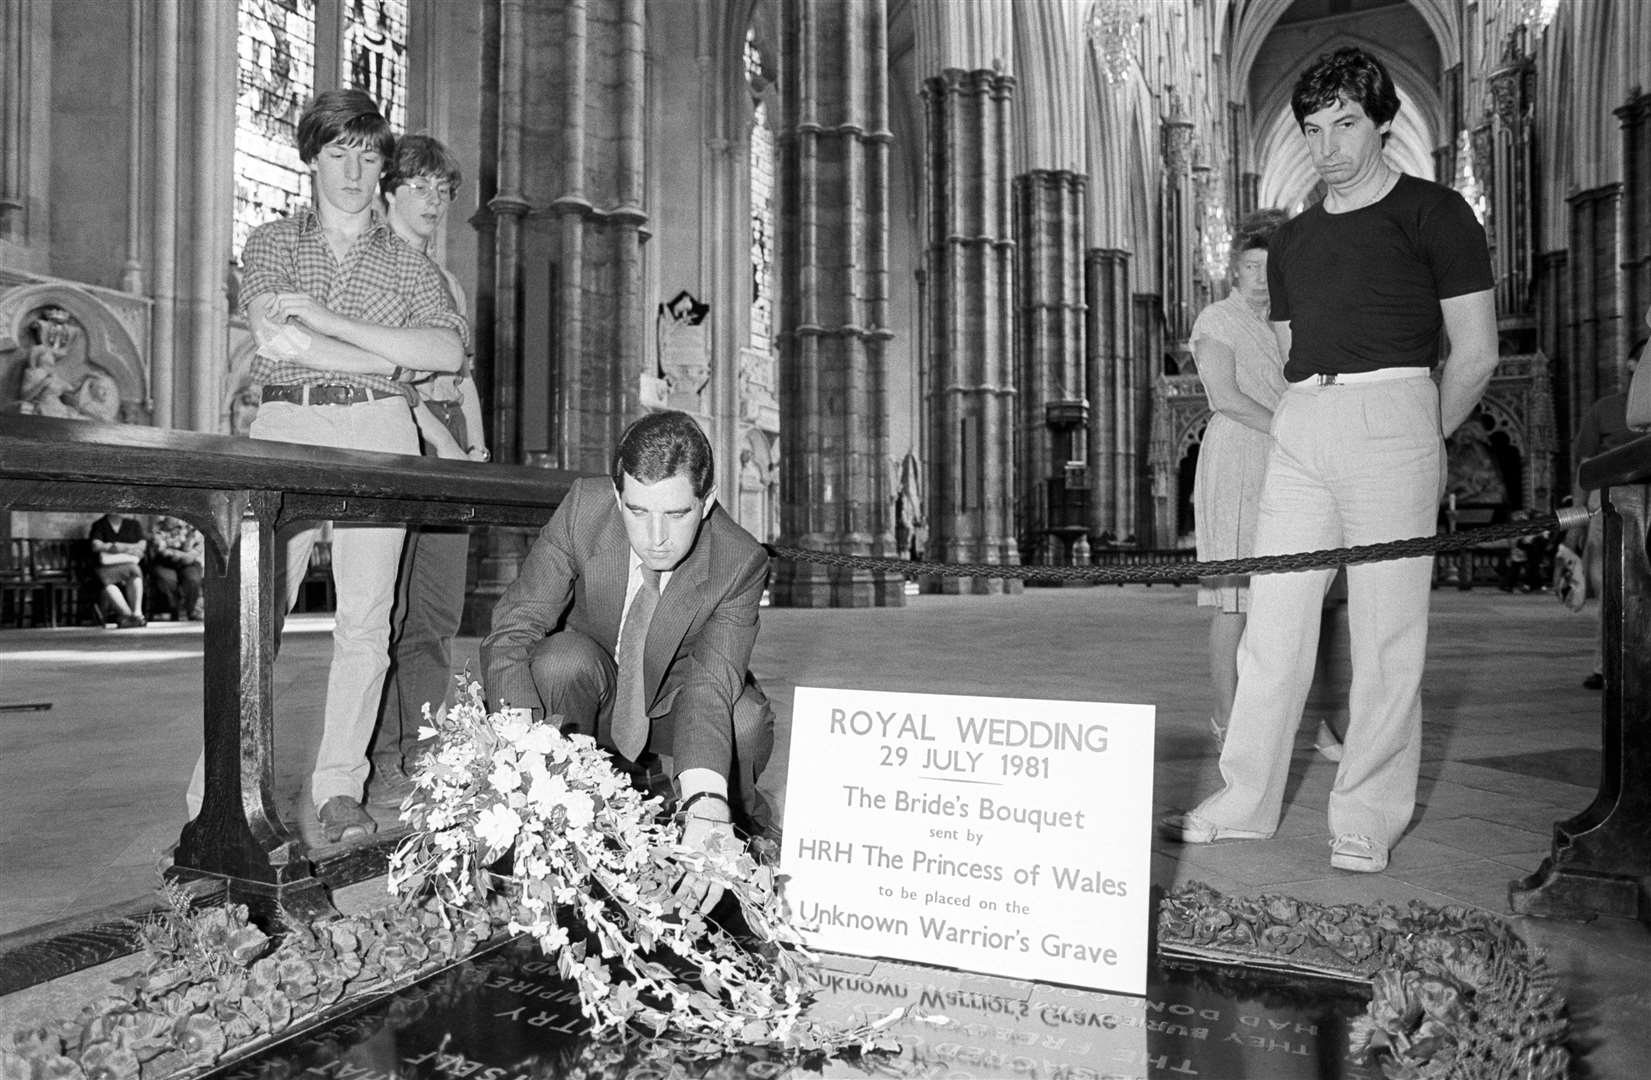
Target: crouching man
(633, 619)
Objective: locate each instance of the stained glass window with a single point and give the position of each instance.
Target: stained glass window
(763, 158)
(276, 79)
(375, 54)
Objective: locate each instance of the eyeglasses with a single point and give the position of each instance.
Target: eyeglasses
(430, 190)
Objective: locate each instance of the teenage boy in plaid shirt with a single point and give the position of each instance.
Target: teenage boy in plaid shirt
(338, 306)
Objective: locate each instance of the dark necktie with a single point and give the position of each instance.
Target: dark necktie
(630, 717)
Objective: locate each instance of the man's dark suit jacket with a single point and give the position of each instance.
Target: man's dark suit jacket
(699, 641)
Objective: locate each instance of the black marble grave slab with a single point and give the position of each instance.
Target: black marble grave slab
(505, 1015)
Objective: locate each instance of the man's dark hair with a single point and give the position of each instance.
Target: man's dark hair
(662, 445)
(416, 156)
(1255, 230)
(348, 116)
(1351, 75)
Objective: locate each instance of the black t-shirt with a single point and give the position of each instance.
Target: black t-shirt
(130, 531)
(1361, 290)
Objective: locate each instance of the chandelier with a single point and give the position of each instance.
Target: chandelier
(1114, 27)
(1535, 15)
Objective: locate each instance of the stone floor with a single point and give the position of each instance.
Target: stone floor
(91, 787)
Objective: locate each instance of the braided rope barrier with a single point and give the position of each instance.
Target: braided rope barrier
(1182, 572)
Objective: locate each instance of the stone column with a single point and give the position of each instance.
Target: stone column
(833, 160)
(498, 344)
(163, 339)
(970, 275)
(1635, 237)
(598, 224)
(210, 156)
(1595, 319)
(1108, 340)
(507, 208)
(1050, 360)
(1139, 374)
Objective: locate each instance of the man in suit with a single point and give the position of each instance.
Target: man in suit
(633, 619)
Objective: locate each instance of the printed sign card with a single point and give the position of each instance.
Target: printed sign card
(1003, 835)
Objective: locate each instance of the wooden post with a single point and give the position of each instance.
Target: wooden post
(1601, 859)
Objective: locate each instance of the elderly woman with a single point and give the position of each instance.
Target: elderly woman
(1243, 376)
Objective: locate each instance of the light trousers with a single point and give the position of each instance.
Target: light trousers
(1352, 464)
(364, 563)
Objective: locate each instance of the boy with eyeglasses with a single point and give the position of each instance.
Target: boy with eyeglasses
(418, 185)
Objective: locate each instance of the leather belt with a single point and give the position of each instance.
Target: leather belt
(324, 393)
(1337, 378)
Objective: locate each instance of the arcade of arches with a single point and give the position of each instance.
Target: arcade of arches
(925, 269)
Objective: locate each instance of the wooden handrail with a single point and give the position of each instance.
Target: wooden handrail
(239, 492)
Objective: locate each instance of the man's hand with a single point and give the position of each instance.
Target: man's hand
(702, 831)
(301, 308)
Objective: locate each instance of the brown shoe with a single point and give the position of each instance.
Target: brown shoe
(344, 821)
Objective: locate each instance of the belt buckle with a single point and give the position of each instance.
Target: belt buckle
(1326, 378)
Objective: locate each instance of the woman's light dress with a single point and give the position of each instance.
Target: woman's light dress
(1232, 459)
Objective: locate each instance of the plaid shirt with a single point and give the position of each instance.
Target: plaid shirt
(381, 280)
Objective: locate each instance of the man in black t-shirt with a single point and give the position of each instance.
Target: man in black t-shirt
(1362, 285)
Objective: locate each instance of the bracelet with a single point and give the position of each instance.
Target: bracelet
(688, 803)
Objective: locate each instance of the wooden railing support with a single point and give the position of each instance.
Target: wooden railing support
(1601, 858)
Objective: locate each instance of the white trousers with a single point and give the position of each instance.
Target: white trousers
(1358, 463)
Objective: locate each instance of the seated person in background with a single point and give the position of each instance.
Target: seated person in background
(118, 545)
(177, 557)
(633, 620)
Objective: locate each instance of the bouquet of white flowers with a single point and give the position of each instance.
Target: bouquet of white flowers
(538, 824)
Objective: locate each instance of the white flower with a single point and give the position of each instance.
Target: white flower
(504, 778)
(580, 809)
(497, 826)
(426, 733)
(540, 739)
(547, 793)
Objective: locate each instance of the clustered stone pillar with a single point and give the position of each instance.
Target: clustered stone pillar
(969, 270)
(833, 149)
(1049, 219)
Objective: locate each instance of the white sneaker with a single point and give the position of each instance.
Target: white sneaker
(1326, 743)
(1360, 854)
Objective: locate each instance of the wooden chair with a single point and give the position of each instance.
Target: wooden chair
(18, 593)
(58, 566)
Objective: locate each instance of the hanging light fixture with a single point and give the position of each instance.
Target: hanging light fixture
(1535, 15)
(1114, 27)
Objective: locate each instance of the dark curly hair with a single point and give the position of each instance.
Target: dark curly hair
(1255, 230)
(1351, 75)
